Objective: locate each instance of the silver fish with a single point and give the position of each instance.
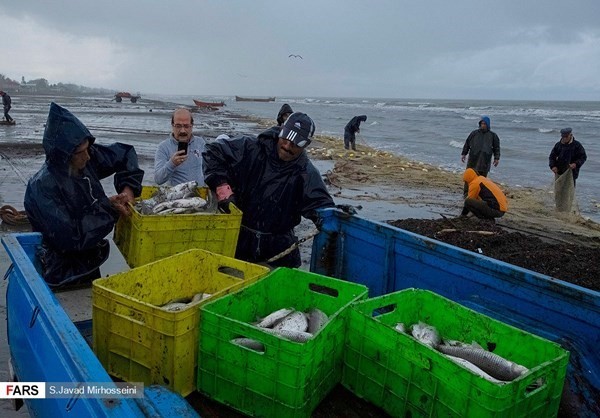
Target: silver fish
(426, 334)
(292, 335)
(400, 327)
(494, 365)
(192, 203)
(274, 317)
(474, 369)
(249, 343)
(200, 296)
(295, 321)
(174, 306)
(316, 320)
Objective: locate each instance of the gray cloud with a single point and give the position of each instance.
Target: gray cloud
(429, 49)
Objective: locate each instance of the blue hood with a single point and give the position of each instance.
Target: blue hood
(486, 119)
(63, 134)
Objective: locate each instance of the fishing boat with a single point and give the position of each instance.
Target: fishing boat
(200, 103)
(254, 99)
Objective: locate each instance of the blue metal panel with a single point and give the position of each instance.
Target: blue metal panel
(386, 259)
(45, 346)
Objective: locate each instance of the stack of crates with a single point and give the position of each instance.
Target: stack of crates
(146, 238)
(139, 341)
(286, 379)
(407, 378)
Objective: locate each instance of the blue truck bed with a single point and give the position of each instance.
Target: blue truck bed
(386, 259)
(46, 346)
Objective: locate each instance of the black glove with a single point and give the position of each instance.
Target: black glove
(224, 204)
(348, 209)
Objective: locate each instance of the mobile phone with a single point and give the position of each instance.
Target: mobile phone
(182, 146)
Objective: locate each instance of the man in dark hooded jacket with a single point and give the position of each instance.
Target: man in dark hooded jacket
(284, 113)
(272, 181)
(481, 145)
(67, 204)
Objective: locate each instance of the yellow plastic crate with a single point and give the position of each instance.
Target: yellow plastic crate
(146, 238)
(138, 341)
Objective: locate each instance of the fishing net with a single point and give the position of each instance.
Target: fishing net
(564, 193)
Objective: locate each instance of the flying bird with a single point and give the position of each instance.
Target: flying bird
(295, 56)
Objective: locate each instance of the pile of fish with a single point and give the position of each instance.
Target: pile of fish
(473, 357)
(180, 304)
(179, 199)
(288, 323)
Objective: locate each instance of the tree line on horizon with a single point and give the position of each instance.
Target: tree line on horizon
(42, 86)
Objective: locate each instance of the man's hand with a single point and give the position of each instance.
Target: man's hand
(573, 166)
(463, 158)
(179, 158)
(496, 163)
(121, 201)
(554, 170)
(225, 196)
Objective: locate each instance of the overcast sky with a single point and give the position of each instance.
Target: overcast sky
(463, 49)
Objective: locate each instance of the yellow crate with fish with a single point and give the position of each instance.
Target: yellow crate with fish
(415, 353)
(168, 220)
(274, 348)
(145, 320)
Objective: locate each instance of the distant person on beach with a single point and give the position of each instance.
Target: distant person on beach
(272, 181)
(565, 161)
(65, 200)
(351, 129)
(567, 154)
(481, 145)
(178, 158)
(284, 113)
(484, 199)
(6, 105)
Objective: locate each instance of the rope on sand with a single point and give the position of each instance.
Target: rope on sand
(11, 216)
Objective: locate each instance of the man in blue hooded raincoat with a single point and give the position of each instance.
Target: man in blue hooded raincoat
(481, 145)
(67, 204)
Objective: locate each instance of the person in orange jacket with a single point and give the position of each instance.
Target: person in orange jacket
(485, 199)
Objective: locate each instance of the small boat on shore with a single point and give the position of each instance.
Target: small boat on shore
(200, 103)
(254, 99)
(5, 122)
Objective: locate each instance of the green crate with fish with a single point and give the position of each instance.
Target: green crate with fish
(145, 320)
(415, 353)
(275, 347)
(168, 220)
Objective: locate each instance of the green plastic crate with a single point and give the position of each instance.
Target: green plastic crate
(146, 238)
(288, 379)
(136, 340)
(406, 378)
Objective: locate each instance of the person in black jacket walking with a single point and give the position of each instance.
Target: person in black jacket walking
(351, 129)
(481, 145)
(6, 105)
(272, 181)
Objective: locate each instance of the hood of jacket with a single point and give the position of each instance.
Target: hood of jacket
(469, 175)
(485, 119)
(285, 109)
(63, 134)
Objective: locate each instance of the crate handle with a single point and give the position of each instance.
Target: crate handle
(257, 349)
(536, 386)
(381, 310)
(325, 290)
(232, 271)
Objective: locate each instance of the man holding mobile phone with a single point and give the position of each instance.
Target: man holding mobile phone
(178, 158)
